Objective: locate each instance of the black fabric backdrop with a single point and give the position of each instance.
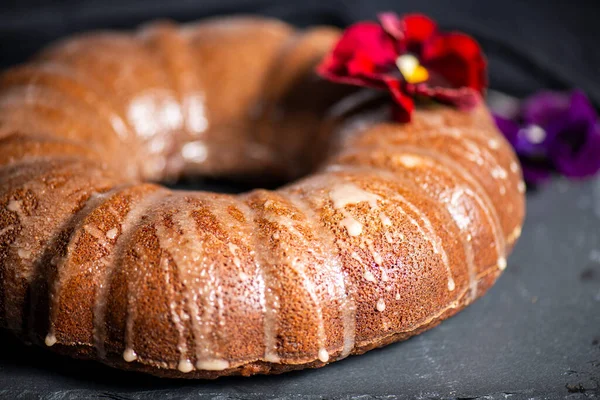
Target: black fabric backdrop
(530, 43)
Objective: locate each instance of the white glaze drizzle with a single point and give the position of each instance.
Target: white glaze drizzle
(497, 172)
(15, 206)
(464, 223)
(184, 365)
(428, 232)
(478, 194)
(494, 144)
(7, 229)
(189, 258)
(431, 236)
(220, 208)
(489, 210)
(337, 274)
(195, 271)
(475, 152)
(502, 263)
(380, 305)
(112, 233)
(514, 167)
(24, 254)
(129, 355)
(50, 340)
(323, 355)
(367, 274)
(346, 194)
(97, 234)
(298, 266)
(212, 365)
(268, 298)
(376, 256)
(389, 237)
(92, 202)
(233, 249)
(385, 220)
(514, 235)
(20, 246)
(483, 200)
(129, 223)
(353, 227)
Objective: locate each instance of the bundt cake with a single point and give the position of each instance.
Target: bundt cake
(382, 231)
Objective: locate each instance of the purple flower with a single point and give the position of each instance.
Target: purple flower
(554, 132)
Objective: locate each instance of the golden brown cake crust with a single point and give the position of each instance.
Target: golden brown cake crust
(393, 228)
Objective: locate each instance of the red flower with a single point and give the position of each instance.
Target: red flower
(412, 59)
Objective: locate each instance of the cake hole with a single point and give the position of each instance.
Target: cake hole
(305, 141)
(223, 185)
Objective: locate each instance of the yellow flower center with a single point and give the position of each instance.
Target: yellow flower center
(411, 69)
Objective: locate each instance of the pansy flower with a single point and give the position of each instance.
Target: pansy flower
(554, 132)
(412, 59)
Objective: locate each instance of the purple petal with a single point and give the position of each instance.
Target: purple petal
(545, 108)
(576, 150)
(508, 127)
(581, 110)
(559, 132)
(533, 140)
(526, 140)
(535, 174)
(578, 163)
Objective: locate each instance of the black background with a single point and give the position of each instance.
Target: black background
(535, 335)
(530, 43)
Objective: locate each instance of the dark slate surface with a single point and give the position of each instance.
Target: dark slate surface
(536, 334)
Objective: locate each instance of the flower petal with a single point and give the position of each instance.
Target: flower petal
(410, 31)
(508, 127)
(535, 172)
(449, 68)
(417, 30)
(464, 98)
(455, 60)
(582, 162)
(363, 53)
(392, 24)
(361, 71)
(404, 103)
(533, 141)
(545, 109)
(581, 110)
(574, 135)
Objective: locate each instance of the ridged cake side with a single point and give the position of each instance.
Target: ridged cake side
(396, 228)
